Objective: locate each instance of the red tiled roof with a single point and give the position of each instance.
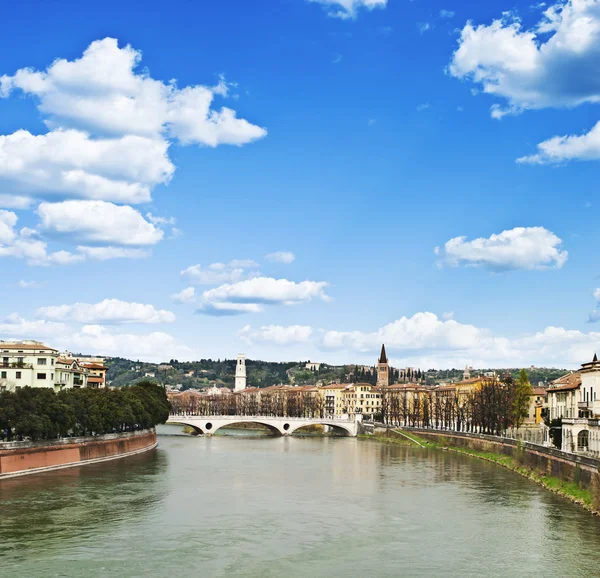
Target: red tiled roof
(24, 346)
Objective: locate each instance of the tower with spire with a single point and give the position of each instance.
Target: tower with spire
(240, 372)
(383, 369)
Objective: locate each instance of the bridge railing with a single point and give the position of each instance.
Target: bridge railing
(246, 417)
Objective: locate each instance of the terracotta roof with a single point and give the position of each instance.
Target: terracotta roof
(570, 381)
(24, 346)
(539, 391)
(94, 365)
(64, 360)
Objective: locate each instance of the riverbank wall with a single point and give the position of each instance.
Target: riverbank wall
(21, 458)
(543, 460)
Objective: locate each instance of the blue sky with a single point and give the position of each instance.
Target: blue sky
(302, 179)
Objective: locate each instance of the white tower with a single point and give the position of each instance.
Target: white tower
(240, 372)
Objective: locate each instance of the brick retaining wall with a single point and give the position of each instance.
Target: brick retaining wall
(19, 458)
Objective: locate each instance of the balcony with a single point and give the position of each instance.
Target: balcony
(77, 382)
(15, 365)
(584, 405)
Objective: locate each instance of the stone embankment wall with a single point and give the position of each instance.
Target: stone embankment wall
(546, 461)
(19, 458)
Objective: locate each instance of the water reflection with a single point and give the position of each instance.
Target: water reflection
(54, 508)
(295, 507)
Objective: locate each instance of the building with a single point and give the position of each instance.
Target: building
(33, 364)
(537, 403)
(240, 372)
(383, 369)
(334, 400)
(562, 396)
(313, 366)
(97, 373)
(581, 431)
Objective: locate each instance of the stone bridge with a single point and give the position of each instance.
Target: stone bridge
(285, 426)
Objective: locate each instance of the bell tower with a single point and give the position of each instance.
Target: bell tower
(383, 375)
(240, 372)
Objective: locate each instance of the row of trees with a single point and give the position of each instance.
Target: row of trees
(275, 404)
(41, 414)
(496, 406)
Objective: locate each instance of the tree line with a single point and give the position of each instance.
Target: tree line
(41, 414)
(496, 406)
(266, 404)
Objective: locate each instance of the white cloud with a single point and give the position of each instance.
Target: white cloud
(349, 8)
(251, 295)
(8, 220)
(276, 334)
(597, 295)
(286, 257)
(99, 221)
(70, 162)
(223, 309)
(425, 341)
(446, 14)
(217, 273)
(585, 147)
(15, 202)
(423, 27)
(96, 339)
(422, 107)
(186, 296)
(19, 328)
(518, 248)
(268, 290)
(106, 311)
(102, 92)
(552, 64)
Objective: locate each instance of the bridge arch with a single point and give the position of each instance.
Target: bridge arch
(272, 428)
(337, 427)
(197, 429)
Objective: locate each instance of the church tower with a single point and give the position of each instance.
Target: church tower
(240, 372)
(383, 375)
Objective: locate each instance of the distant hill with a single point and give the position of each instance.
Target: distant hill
(208, 372)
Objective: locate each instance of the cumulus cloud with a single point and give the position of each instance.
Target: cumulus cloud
(276, 334)
(553, 64)
(558, 149)
(99, 221)
(106, 91)
(424, 340)
(346, 9)
(186, 296)
(286, 257)
(71, 163)
(15, 202)
(251, 295)
(106, 311)
(110, 125)
(217, 273)
(518, 248)
(156, 346)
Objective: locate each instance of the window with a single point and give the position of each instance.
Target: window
(3, 375)
(20, 360)
(41, 376)
(42, 361)
(18, 375)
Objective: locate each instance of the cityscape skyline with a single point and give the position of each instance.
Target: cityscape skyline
(384, 172)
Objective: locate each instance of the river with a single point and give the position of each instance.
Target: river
(290, 507)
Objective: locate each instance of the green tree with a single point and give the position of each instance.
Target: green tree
(521, 400)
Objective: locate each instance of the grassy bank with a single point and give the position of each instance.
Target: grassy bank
(587, 498)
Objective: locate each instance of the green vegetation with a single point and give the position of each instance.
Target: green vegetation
(522, 394)
(587, 498)
(41, 414)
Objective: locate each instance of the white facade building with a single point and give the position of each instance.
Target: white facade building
(240, 372)
(581, 432)
(33, 364)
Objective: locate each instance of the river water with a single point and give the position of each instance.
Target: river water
(290, 507)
